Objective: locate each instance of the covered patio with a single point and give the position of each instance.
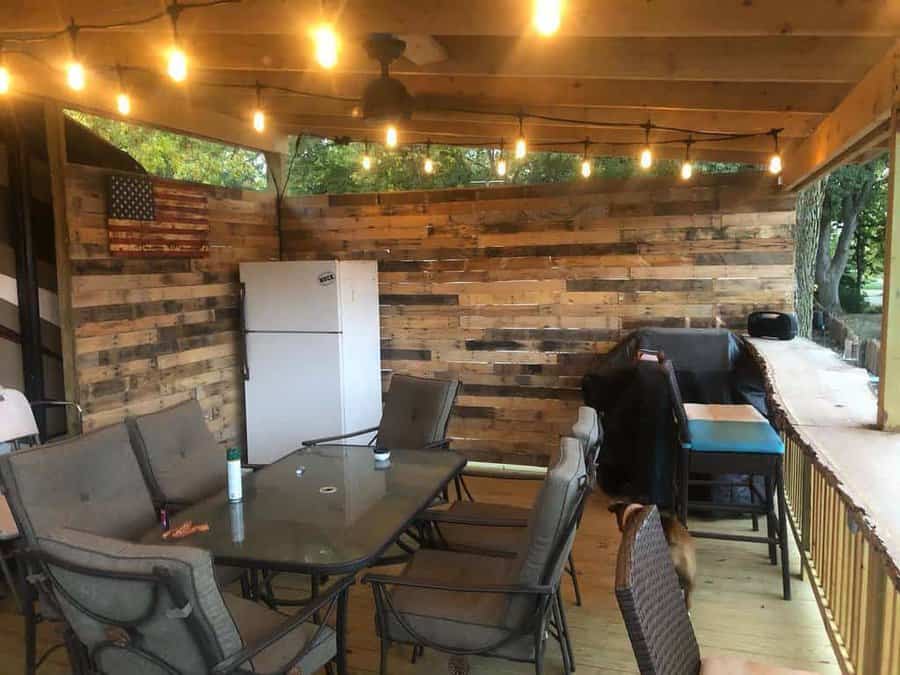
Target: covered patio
(516, 292)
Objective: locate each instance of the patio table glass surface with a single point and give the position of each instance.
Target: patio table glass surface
(326, 509)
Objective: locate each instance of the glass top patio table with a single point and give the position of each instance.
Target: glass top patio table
(327, 509)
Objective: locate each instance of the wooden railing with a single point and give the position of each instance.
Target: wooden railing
(856, 584)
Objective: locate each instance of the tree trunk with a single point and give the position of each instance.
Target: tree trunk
(806, 242)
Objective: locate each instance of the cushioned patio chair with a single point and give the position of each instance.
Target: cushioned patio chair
(181, 459)
(90, 482)
(183, 464)
(499, 529)
(157, 609)
(731, 439)
(415, 416)
(653, 608)
(463, 603)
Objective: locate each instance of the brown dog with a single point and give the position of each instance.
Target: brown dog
(681, 544)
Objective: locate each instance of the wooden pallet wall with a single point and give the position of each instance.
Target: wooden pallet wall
(515, 290)
(152, 333)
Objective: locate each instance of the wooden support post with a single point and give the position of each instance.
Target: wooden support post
(56, 158)
(889, 386)
(277, 163)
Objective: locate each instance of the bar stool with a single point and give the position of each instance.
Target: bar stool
(729, 439)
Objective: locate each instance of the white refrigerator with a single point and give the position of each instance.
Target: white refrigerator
(312, 359)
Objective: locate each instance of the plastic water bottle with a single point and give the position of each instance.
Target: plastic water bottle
(235, 477)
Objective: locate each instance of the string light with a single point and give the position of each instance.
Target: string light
(4, 80)
(547, 16)
(177, 60)
(501, 163)
(366, 159)
(123, 102)
(687, 168)
(74, 70)
(646, 153)
(391, 137)
(521, 146)
(259, 117)
(428, 165)
(585, 161)
(326, 46)
(775, 163)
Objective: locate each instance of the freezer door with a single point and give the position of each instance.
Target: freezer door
(293, 392)
(291, 296)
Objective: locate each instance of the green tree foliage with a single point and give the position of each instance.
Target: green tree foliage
(171, 155)
(323, 166)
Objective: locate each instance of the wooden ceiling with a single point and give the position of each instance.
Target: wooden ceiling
(716, 65)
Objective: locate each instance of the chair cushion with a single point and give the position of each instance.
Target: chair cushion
(416, 411)
(728, 665)
(587, 429)
(754, 437)
(717, 412)
(463, 621)
(256, 623)
(507, 541)
(91, 483)
(167, 636)
(180, 457)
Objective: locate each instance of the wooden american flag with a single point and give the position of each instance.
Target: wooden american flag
(156, 218)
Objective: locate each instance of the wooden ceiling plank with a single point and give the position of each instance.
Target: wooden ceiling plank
(866, 108)
(693, 18)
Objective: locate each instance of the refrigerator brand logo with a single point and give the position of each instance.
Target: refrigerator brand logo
(326, 278)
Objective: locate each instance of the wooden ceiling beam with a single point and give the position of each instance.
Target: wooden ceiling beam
(693, 18)
(755, 59)
(853, 125)
(518, 92)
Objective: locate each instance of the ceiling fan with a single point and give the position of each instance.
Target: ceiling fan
(386, 99)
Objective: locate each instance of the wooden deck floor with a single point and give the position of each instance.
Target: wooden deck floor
(737, 609)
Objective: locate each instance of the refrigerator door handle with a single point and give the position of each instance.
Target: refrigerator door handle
(245, 366)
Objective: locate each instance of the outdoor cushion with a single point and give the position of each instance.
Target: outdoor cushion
(587, 429)
(416, 411)
(256, 623)
(163, 633)
(179, 456)
(90, 482)
(756, 437)
(463, 621)
(552, 511)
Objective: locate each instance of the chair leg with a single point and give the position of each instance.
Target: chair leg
(564, 624)
(753, 517)
(382, 664)
(574, 574)
(28, 616)
(684, 488)
(539, 644)
(771, 523)
(561, 637)
(783, 532)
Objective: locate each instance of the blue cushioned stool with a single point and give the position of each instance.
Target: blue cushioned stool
(729, 439)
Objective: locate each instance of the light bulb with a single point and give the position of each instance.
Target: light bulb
(429, 165)
(123, 103)
(521, 148)
(547, 15)
(366, 162)
(687, 170)
(259, 121)
(501, 168)
(775, 164)
(390, 136)
(4, 80)
(646, 158)
(586, 168)
(326, 42)
(177, 66)
(75, 76)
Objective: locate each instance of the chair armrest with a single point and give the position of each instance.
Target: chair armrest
(504, 471)
(253, 467)
(443, 444)
(441, 516)
(326, 439)
(390, 580)
(58, 404)
(233, 662)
